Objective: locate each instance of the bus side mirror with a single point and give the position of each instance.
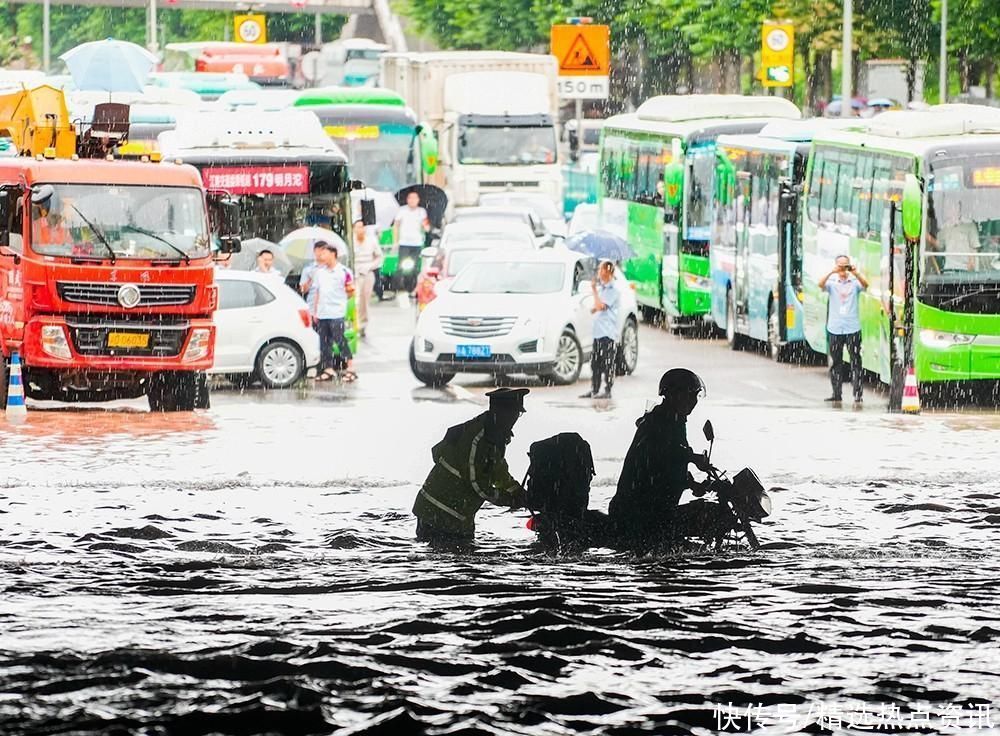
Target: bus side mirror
(913, 214)
(368, 212)
(673, 184)
(428, 149)
(224, 219)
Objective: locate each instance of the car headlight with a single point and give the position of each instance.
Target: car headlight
(697, 282)
(54, 342)
(198, 346)
(938, 339)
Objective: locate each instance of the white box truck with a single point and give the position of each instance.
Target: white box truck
(494, 113)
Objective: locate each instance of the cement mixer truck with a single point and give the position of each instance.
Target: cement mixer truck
(494, 113)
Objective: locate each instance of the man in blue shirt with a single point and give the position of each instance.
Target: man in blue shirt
(843, 286)
(605, 311)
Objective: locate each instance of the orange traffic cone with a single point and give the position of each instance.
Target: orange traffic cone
(911, 393)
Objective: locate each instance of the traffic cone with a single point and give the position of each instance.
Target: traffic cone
(911, 393)
(17, 412)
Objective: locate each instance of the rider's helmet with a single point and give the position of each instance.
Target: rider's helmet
(681, 380)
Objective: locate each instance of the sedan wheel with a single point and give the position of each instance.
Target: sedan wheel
(569, 360)
(279, 365)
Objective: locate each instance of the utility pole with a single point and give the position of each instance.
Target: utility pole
(46, 36)
(847, 65)
(943, 62)
(151, 41)
(319, 30)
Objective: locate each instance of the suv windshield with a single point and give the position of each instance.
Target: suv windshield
(92, 220)
(490, 277)
(963, 220)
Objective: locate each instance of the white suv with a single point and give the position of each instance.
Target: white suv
(526, 312)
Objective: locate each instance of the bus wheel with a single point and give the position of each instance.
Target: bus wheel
(733, 338)
(779, 353)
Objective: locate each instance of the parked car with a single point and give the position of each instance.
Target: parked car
(543, 207)
(507, 214)
(518, 313)
(263, 331)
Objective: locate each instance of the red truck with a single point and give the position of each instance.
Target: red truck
(106, 279)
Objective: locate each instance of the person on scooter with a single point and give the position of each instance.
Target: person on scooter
(646, 508)
(470, 469)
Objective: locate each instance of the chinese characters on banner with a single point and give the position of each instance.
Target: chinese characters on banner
(257, 179)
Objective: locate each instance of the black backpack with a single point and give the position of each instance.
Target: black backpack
(560, 469)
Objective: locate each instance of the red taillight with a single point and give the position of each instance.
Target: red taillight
(304, 316)
(199, 65)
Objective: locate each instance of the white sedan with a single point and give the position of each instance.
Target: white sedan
(262, 330)
(518, 313)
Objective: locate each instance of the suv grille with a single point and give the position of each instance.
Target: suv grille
(477, 327)
(150, 295)
(164, 339)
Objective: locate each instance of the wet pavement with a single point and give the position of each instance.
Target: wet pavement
(252, 568)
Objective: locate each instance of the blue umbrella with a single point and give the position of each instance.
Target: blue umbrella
(109, 66)
(601, 244)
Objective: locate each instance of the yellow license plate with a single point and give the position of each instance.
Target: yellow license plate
(128, 340)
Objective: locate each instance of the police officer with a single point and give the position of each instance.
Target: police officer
(469, 469)
(655, 473)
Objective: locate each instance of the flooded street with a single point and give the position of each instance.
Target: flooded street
(252, 568)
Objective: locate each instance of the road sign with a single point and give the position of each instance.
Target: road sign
(584, 54)
(777, 54)
(250, 28)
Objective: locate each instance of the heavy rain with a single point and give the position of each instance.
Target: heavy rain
(504, 368)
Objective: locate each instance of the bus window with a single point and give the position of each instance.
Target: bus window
(845, 191)
(629, 166)
(828, 189)
(863, 194)
(815, 186)
(702, 187)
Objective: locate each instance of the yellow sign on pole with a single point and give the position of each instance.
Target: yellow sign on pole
(250, 28)
(582, 50)
(777, 54)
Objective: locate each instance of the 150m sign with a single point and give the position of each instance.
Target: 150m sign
(586, 88)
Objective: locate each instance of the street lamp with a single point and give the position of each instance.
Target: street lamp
(847, 66)
(943, 62)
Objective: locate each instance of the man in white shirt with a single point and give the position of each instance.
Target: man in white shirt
(410, 228)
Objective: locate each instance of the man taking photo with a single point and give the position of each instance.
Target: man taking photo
(843, 286)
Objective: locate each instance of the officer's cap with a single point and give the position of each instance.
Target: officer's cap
(507, 397)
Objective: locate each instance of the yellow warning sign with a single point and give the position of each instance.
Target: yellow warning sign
(582, 50)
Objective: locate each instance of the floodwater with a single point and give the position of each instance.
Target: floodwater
(252, 569)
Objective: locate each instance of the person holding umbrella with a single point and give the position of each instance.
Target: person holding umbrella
(605, 311)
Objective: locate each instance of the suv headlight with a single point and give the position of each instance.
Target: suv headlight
(938, 339)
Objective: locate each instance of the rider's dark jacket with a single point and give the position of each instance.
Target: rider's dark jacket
(654, 475)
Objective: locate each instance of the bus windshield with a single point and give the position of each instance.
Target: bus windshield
(380, 155)
(92, 220)
(963, 220)
(506, 146)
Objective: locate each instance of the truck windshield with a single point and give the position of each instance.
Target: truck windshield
(381, 155)
(88, 220)
(963, 220)
(507, 146)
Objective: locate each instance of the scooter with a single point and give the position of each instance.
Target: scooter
(558, 492)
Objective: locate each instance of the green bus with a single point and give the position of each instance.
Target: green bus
(914, 199)
(388, 149)
(657, 190)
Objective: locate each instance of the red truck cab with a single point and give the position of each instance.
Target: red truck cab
(106, 280)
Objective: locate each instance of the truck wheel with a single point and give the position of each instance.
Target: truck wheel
(430, 378)
(4, 381)
(171, 391)
(202, 394)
